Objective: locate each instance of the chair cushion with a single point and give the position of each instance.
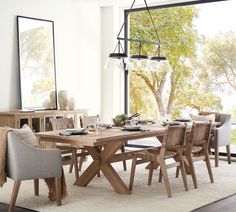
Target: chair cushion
(217, 115)
(26, 135)
(210, 117)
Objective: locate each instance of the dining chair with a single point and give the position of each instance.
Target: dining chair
(221, 135)
(172, 148)
(25, 162)
(85, 121)
(197, 148)
(73, 151)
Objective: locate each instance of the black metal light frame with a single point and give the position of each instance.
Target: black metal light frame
(123, 54)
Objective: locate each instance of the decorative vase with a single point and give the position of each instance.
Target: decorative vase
(63, 99)
(71, 103)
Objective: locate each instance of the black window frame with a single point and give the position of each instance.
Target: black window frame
(126, 74)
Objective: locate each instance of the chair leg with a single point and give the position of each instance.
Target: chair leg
(131, 182)
(208, 164)
(58, 190)
(150, 174)
(228, 153)
(75, 162)
(124, 162)
(192, 170)
(184, 175)
(165, 177)
(216, 156)
(177, 172)
(36, 187)
(160, 176)
(15, 191)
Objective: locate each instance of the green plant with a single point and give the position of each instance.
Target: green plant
(119, 120)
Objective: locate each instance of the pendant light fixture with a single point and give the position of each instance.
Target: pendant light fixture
(119, 58)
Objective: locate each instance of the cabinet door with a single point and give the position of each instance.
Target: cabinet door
(47, 125)
(24, 120)
(36, 124)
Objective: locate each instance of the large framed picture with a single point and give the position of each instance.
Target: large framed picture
(37, 63)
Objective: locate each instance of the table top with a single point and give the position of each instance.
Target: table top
(105, 136)
(114, 134)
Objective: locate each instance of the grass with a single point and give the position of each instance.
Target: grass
(233, 136)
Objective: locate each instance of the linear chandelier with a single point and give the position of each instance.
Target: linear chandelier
(119, 59)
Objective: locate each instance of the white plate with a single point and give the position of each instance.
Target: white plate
(131, 127)
(76, 130)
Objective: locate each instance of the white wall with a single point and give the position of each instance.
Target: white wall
(112, 80)
(78, 48)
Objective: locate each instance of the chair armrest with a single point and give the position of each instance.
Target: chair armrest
(222, 134)
(26, 162)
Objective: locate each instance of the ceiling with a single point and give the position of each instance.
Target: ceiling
(103, 3)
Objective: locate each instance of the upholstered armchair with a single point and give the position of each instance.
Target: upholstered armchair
(222, 137)
(221, 134)
(25, 162)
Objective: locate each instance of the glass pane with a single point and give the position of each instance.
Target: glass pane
(200, 46)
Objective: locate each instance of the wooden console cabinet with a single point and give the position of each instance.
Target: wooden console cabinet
(39, 120)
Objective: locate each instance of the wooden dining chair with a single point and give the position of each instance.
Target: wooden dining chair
(85, 121)
(73, 151)
(172, 147)
(197, 149)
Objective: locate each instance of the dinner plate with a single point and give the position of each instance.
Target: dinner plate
(183, 120)
(170, 123)
(77, 131)
(131, 128)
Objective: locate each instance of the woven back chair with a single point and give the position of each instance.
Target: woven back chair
(172, 147)
(73, 151)
(62, 123)
(85, 121)
(197, 148)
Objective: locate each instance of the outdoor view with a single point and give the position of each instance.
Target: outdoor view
(199, 42)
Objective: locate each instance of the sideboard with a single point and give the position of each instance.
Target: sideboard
(39, 120)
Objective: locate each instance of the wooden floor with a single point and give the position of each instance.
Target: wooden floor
(227, 205)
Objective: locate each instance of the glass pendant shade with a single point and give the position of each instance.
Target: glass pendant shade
(160, 65)
(113, 63)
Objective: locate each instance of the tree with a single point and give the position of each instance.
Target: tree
(219, 60)
(179, 39)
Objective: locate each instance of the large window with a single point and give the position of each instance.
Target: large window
(199, 41)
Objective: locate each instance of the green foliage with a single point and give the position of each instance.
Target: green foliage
(218, 60)
(120, 119)
(179, 39)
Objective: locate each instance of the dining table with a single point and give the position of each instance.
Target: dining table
(103, 148)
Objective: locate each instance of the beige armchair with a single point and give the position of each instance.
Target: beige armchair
(25, 162)
(221, 135)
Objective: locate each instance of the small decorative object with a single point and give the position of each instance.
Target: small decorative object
(71, 103)
(63, 99)
(119, 120)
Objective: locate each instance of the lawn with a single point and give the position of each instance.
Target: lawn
(233, 136)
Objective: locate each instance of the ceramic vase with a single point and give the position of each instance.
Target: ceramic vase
(71, 103)
(63, 99)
